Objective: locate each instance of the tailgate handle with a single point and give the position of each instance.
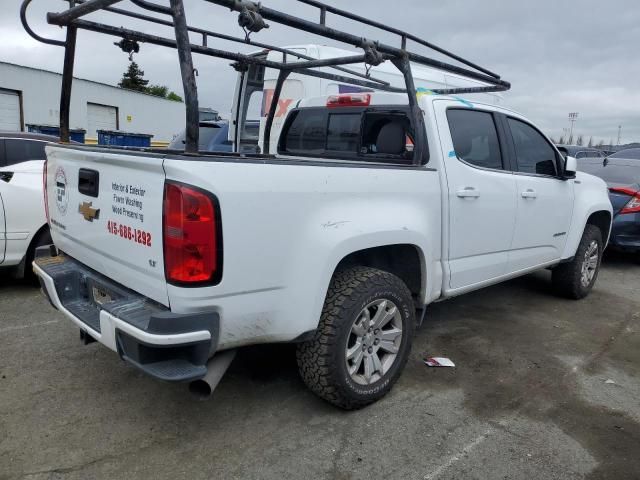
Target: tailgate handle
(88, 182)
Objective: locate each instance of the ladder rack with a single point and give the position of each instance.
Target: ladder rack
(253, 17)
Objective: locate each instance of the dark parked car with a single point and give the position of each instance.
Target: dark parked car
(623, 179)
(214, 137)
(628, 153)
(579, 152)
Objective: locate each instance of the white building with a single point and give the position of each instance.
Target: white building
(32, 96)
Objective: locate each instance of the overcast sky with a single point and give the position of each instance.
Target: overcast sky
(561, 56)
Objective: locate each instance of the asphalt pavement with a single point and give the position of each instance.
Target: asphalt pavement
(543, 388)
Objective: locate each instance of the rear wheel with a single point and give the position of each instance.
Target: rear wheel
(363, 340)
(576, 278)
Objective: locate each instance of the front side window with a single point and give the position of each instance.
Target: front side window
(19, 150)
(533, 153)
(475, 138)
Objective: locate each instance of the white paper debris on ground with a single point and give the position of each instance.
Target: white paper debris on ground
(438, 362)
(608, 380)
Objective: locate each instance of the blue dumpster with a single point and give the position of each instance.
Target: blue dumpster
(75, 134)
(123, 139)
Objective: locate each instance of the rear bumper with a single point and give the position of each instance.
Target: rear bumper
(625, 232)
(168, 346)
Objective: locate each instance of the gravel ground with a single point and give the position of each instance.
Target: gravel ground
(543, 388)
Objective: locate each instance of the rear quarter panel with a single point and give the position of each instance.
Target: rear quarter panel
(287, 225)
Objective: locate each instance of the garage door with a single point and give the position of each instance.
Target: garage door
(9, 111)
(101, 117)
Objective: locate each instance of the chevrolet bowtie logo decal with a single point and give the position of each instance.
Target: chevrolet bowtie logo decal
(88, 212)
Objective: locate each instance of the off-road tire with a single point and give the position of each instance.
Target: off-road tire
(321, 360)
(566, 277)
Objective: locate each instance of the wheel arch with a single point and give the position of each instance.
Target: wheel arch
(600, 216)
(601, 219)
(405, 260)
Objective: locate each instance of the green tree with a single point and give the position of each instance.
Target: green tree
(158, 90)
(580, 140)
(174, 96)
(570, 141)
(162, 91)
(590, 142)
(561, 140)
(133, 78)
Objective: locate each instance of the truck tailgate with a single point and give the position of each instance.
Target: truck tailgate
(105, 210)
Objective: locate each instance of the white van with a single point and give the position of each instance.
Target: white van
(254, 88)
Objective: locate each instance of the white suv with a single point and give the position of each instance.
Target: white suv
(23, 222)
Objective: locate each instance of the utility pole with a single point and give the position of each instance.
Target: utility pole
(573, 116)
(619, 132)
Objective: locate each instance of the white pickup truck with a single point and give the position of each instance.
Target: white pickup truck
(337, 243)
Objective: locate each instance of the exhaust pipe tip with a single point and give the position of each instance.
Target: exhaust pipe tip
(216, 367)
(201, 389)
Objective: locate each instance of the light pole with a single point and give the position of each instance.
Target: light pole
(573, 116)
(619, 132)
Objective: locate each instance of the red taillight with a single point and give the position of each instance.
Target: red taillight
(44, 190)
(633, 205)
(349, 100)
(192, 236)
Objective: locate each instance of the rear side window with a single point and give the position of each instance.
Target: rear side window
(307, 132)
(588, 154)
(475, 138)
(343, 132)
(533, 153)
(352, 134)
(19, 150)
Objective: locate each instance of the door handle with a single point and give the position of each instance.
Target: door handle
(468, 192)
(529, 193)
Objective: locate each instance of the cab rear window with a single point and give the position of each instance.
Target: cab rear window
(376, 135)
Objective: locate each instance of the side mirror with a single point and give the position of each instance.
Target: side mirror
(570, 167)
